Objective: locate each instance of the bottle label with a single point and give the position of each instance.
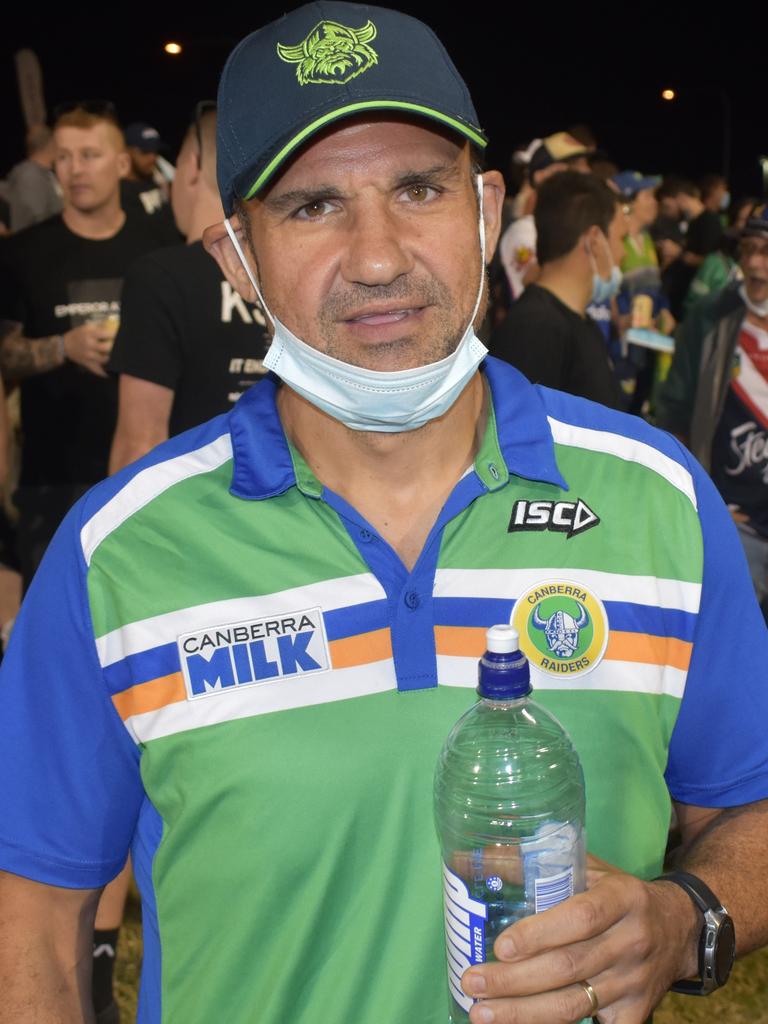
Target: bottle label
(548, 892)
(464, 933)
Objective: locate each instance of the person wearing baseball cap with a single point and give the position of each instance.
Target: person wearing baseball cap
(271, 622)
(143, 143)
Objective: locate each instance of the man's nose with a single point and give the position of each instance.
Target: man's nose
(377, 246)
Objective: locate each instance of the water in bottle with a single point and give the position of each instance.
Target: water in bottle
(509, 811)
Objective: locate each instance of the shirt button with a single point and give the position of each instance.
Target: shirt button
(366, 536)
(494, 471)
(412, 600)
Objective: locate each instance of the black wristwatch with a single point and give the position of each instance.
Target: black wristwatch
(717, 945)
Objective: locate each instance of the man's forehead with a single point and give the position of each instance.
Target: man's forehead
(377, 147)
(73, 136)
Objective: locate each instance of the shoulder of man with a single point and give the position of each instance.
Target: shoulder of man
(115, 500)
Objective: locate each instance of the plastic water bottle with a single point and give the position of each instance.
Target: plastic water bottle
(509, 810)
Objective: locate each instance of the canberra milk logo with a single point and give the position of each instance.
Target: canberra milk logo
(224, 658)
(563, 627)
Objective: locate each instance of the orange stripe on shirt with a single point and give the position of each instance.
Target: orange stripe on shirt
(361, 649)
(460, 641)
(653, 650)
(150, 696)
(469, 642)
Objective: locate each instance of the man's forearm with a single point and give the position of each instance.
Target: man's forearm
(46, 952)
(731, 856)
(22, 357)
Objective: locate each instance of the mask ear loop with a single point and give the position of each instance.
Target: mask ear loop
(479, 188)
(247, 268)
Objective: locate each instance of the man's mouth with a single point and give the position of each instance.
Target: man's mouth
(382, 317)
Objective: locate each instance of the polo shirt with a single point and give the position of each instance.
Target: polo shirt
(224, 667)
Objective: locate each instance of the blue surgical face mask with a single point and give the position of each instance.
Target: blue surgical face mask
(604, 289)
(385, 401)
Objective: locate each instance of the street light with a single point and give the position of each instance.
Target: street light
(725, 107)
(173, 48)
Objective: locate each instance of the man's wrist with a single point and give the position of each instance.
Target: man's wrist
(61, 347)
(685, 922)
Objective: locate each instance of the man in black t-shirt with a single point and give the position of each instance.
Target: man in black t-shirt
(67, 273)
(188, 344)
(547, 334)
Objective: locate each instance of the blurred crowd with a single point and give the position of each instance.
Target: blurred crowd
(118, 331)
(642, 292)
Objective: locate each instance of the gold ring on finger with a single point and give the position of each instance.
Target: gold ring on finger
(594, 1002)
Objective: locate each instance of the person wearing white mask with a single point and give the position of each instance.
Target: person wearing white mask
(271, 622)
(716, 395)
(547, 333)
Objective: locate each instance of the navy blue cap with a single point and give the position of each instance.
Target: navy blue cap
(503, 672)
(629, 183)
(319, 64)
(757, 225)
(144, 137)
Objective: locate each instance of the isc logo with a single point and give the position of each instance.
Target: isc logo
(222, 658)
(568, 517)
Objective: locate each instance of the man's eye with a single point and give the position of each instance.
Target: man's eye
(420, 193)
(314, 210)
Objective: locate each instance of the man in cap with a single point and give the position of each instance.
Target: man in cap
(270, 623)
(547, 334)
(517, 247)
(716, 395)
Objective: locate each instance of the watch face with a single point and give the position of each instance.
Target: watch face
(725, 950)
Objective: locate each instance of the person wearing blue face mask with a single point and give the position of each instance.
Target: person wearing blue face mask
(548, 334)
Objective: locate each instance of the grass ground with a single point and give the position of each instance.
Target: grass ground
(743, 1001)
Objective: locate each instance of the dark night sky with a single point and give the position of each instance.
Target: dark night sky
(531, 72)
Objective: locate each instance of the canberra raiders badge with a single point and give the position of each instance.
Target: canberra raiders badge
(331, 54)
(563, 627)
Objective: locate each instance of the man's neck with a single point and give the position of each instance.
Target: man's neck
(567, 283)
(95, 224)
(398, 482)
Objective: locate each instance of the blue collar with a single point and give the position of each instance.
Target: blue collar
(264, 465)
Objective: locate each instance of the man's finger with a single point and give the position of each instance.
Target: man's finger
(562, 1006)
(554, 969)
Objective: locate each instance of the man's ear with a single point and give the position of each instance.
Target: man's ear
(123, 163)
(591, 241)
(217, 242)
(493, 201)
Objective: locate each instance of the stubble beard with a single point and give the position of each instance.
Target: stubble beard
(448, 325)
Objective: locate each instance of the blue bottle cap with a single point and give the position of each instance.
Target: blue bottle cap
(503, 672)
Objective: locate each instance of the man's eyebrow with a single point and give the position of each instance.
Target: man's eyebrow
(297, 197)
(440, 174)
(286, 202)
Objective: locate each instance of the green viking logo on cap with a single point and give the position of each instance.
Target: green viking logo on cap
(332, 54)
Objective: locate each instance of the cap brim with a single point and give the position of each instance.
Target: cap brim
(474, 135)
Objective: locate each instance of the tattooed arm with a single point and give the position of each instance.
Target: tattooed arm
(22, 357)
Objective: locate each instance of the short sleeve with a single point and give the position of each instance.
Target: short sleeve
(71, 789)
(718, 754)
(149, 343)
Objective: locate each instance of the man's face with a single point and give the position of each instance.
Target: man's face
(753, 257)
(89, 164)
(645, 206)
(617, 232)
(368, 244)
(143, 163)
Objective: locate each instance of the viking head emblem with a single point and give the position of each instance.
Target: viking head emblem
(562, 630)
(331, 53)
